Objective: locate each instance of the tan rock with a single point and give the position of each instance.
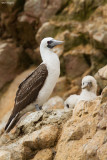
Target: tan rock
(61, 87)
(101, 77)
(79, 12)
(102, 124)
(28, 123)
(102, 152)
(8, 65)
(84, 107)
(72, 62)
(42, 9)
(103, 72)
(73, 136)
(100, 37)
(92, 146)
(45, 154)
(102, 117)
(5, 155)
(23, 148)
(80, 49)
(18, 150)
(58, 116)
(46, 30)
(104, 95)
(35, 120)
(34, 55)
(41, 139)
(79, 134)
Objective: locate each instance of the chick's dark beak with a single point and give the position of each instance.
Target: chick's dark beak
(87, 85)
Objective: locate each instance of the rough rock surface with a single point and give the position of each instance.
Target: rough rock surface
(9, 62)
(81, 135)
(43, 9)
(60, 134)
(101, 77)
(45, 154)
(5, 155)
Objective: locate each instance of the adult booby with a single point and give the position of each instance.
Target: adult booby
(38, 86)
(89, 89)
(88, 93)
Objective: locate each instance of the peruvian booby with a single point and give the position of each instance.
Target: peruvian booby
(71, 101)
(89, 89)
(88, 93)
(38, 86)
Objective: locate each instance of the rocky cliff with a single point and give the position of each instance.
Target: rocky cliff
(54, 133)
(79, 134)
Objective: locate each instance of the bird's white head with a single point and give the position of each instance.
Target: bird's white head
(49, 43)
(89, 83)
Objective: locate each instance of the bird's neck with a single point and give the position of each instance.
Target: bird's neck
(47, 55)
(86, 92)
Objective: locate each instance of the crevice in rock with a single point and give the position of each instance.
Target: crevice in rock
(87, 58)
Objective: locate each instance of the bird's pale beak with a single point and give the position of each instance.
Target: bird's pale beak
(87, 85)
(54, 43)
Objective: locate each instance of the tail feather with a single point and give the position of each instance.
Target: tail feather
(9, 120)
(12, 122)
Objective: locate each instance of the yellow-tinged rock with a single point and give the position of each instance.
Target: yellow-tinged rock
(5, 155)
(102, 152)
(45, 154)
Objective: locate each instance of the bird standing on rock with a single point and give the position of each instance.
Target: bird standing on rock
(88, 93)
(38, 86)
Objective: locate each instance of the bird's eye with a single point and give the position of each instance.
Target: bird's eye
(49, 42)
(83, 83)
(67, 105)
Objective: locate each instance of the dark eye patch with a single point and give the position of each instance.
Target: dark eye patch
(90, 83)
(49, 42)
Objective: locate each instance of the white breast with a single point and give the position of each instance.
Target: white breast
(53, 67)
(87, 96)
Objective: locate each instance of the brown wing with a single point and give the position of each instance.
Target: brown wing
(28, 90)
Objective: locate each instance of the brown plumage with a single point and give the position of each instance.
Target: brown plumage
(27, 93)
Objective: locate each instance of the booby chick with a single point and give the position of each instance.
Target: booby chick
(38, 86)
(71, 101)
(89, 89)
(88, 93)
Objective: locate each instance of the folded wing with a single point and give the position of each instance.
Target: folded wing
(27, 93)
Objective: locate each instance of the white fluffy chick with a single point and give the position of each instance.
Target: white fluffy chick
(71, 101)
(89, 89)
